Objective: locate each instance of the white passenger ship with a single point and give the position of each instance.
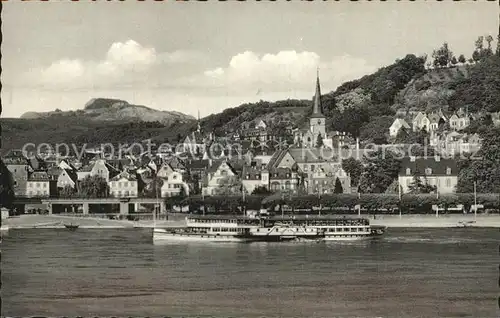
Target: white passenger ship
(269, 229)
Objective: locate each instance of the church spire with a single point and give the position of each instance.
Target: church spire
(198, 128)
(317, 107)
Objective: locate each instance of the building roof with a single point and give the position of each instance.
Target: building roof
(217, 163)
(277, 157)
(281, 173)
(251, 173)
(419, 165)
(39, 176)
(402, 122)
(317, 106)
(197, 164)
(124, 175)
(315, 155)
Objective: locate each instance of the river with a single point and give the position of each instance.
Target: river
(119, 272)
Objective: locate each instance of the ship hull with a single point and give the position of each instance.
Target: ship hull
(160, 235)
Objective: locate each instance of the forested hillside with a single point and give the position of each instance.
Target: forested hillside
(364, 107)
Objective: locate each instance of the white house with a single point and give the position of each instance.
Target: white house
(254, 177)
(397, 125)
(217, 173)
(67, 178)
(442, 173)
(261, 125)
(421, 121)
(124, 185)
(172, 184)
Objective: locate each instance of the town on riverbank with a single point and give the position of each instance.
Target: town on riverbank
(284, 167)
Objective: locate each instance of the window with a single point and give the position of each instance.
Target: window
(448, 170)
(312, 167)
(408, 182)
(248, 176)
(448, 182)
(119, 184)
(408, 171)
(428, 171)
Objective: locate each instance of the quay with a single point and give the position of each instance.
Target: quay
(126, 204)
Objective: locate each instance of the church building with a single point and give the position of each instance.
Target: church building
(308, 138)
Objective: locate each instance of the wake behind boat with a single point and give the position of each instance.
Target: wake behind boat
(269, 229)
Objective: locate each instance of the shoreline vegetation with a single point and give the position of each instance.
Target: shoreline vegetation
(176, 220)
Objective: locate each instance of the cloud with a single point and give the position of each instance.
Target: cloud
(285, 70)
(124, 63)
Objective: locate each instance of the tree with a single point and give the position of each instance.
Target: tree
(461, 59)
(93, 187)
(229, 185)
(380, 171)
(481, 53)
(376, 129)
(319, 141)
(483, 171)
(153, 188)
(442, 56)
(354, 168)
(6, 186)
(67, 192)
(481, 90)
(489, 39)
(261, 190)
(338, 187)
(454, 61)
(419, 187)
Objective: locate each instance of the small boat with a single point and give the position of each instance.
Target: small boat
(462, 224)
(71, 226)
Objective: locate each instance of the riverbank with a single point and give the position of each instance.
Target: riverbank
(176, 220)
(442, 221)
(57, 221)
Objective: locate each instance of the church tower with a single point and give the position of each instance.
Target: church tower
(198, 128)
(317, 121)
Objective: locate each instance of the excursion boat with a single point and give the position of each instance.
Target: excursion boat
(269, 229)
(327, 228)
(210, 228)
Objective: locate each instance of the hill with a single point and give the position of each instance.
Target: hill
(106, 109)
(363, 108)
(101, 121)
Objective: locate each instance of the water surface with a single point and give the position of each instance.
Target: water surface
(119, 272)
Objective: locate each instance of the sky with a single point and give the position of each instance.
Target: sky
(208, 56)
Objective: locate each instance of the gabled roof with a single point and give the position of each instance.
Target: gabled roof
(124, 175)
(217, 163)
(401, 122)
(419, 116)
(15, 157)
(277, 157)
(434, 118)
(176, 163)
(71, 174)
